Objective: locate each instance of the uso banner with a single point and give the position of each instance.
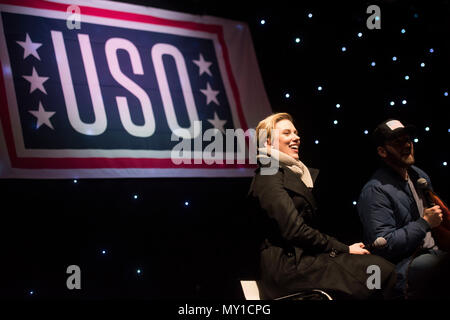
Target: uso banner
(100, 89)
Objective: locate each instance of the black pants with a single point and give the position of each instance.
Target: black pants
(350, 276)
(357, 276)
(429, 275)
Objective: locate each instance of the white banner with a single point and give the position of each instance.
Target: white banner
(100, 89)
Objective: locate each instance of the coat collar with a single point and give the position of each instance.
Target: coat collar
(412, 172)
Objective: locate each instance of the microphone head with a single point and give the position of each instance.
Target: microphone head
(379, 242)
(422, 183)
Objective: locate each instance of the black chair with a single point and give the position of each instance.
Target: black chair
(307, 294)
(251, 292)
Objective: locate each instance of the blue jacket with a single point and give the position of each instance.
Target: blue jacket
(387, 209)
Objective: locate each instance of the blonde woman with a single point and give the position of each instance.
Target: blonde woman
(294, 255)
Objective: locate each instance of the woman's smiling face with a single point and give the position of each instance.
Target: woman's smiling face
(286, 135)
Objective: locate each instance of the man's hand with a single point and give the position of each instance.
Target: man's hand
(433, 216)
(358, 248)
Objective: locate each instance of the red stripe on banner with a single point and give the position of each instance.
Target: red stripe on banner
(106, 13)
(234, 87)
(6, 120)
(67, 163)
(117, 163)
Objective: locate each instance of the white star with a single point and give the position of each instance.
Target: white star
(203, 65)
(43, 117)
(36, 81)
(30, 47)
(211, 95)
(217, 123)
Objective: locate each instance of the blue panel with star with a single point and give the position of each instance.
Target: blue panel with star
(41, 105)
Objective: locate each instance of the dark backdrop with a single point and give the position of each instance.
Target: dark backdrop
(201, 249)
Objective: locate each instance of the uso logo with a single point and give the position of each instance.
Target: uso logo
(110, 92)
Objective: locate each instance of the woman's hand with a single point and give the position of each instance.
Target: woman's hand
(358, 248)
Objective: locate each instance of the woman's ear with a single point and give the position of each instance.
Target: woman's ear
(382, 152)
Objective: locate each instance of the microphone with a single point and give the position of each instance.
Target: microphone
(379, 243)
(422, 183)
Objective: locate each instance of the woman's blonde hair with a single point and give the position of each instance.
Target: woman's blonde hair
(265, 126)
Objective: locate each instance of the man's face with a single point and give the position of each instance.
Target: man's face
(399, 151)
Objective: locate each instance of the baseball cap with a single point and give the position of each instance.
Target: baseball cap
(390, 129)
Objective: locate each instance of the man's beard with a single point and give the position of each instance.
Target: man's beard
(409, 161)
(402, 161)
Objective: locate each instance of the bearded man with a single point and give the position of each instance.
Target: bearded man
(392, 206)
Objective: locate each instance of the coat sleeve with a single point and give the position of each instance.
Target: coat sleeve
(378, 219)
(276, 202)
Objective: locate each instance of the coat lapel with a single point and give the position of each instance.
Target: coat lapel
(295, 184)
(314, 173)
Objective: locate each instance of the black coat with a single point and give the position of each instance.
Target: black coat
(294, 255)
